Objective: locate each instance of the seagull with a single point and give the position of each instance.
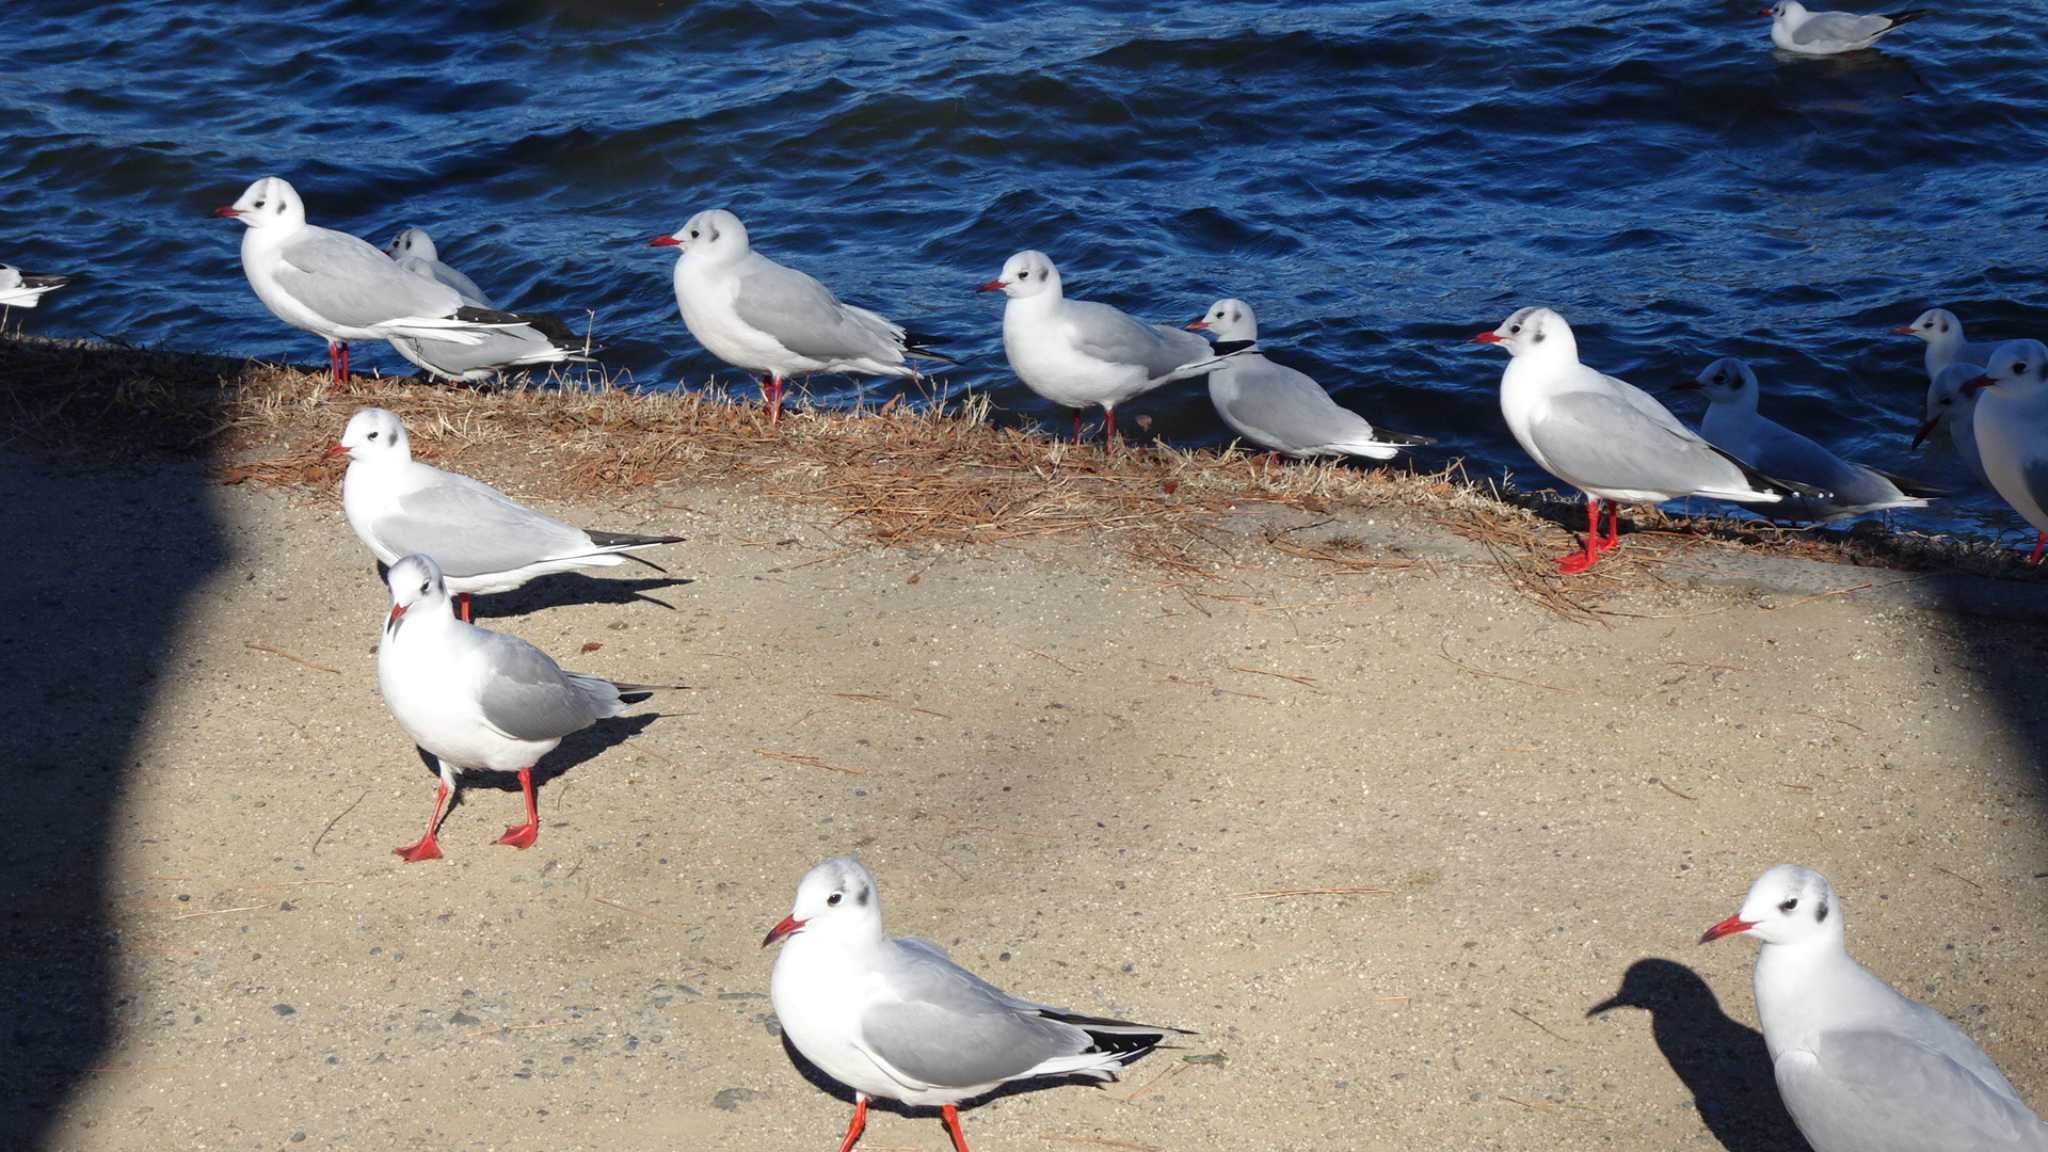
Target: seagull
(480, 538)
(1077, 353)
(1946, 343)
(1607, 437)
(1950, 404)
(477, 699)
(1797, 30)
(894, 1018)
(2012, 432)
(542, 339)
(1280, 409)
(1733, 425)
(1862, 1068)
(340, 287)
(755, 314)
(20, 289)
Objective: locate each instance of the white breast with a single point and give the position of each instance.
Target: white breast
(819, 998)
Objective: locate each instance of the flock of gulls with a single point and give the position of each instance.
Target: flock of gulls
(1861, 1067)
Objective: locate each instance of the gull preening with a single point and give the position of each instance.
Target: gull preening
(1734, 425)
(896, 1019)
(2011, 423)
(755, 314)
(1278, 408)
(1796, 29)
(1946, 343)
(1862, 1068)
(341, 287)
(1607, 437)
(1078, 353)
(20, 289)
(481, 540)
(541, 339)
(477, 699)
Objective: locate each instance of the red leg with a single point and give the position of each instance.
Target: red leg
(426, 849)
(523, 835)
(334, 361)
(860, 1121)
(774, 399)
(462, 606)
(1108, 427)
(343, 378)
(1613, 525)
(2040, 543)
(1077, 425)
(952, 1116)
(1578, 562)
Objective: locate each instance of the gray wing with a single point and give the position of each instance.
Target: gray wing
(472, 529)
(496, 351)
(1286, 409)
(947, 1027)
(1840, 28)
(350, 282)
(527, 696)
(1605, 440)
(1883, 1092)
(448, 277)
(1784, 454)
(1110, 335)
(804, 317)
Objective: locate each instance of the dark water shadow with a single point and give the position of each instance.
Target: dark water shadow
(109, 556)
(1721, 1060)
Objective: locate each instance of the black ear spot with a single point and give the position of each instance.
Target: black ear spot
(861, 897)
(1537, 338)
(714, 235)
(1820, 913)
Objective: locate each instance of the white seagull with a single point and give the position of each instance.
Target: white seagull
(2012, 431)
(477, 699)
(340, 287)
(895, 1018)
(1607, 437)
(1078, 353)
(542, 339)
(755, 314)
(1946, 343)
(20, 289)
(480, 538)
(1280, 409)
(1797, 30)
(1862, 1068)
(1733, 425)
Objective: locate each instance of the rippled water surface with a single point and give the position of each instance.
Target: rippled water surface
(1380, 179)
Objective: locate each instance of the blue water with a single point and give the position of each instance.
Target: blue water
(1379, 179)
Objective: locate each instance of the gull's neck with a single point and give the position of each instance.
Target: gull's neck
(1792, 982)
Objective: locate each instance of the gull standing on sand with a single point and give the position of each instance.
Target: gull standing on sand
(479, 538)
(1280, 409)
(2012, 431)
(1797, 30)
(1607, 437)
(20, 289)
(755, 314)
(895, 1018)
(1860, 1067)
(543, 339)
(1078, 353)
(477, 699)
(1946, 343)
(341, 287)
(1733, 425)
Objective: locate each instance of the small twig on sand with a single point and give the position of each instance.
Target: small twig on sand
(1053, 659)
(1795, 787)
(1443, 649)
(1957, 875)
(218, 912)
(1216, 688)
(871, 698)
(1304, 681)
(331, 823)
(1171, 1071)
(1283, 893)
(1099, 1142)
(251, 644)
(609, 903)
(1660, 782)
(807, 761)
(1542, 1025)
(1829, 719)
(500, 1029)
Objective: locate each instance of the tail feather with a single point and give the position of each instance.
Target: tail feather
(1911, 487)
(1780, 489)
(547, 325)
(919, 345)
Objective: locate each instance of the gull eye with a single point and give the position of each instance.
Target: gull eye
(832, 901)
(1025, 275)
(373, 435)
(259, 204)
(1514, 328)
(1789, 905)
(693, 233)
(423, 587)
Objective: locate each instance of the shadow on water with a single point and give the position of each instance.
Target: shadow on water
(108, 558)
(1722, 1061)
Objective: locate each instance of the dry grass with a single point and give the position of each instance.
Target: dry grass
(936, 472)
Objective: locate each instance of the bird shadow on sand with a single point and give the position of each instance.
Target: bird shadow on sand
(1721, 1060)
(841, 1092)
(576, 749)
(573, 588)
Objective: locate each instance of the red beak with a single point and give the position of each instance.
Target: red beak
(1198, 325)
(788, 925)
(334, 450)
(228, 213)
(1486, 338)
(397, 610)
(1921, 432)
(1765, 12)
(664, 242)
(1728, 927)
(1903, 330)
(995, 285)
(1977, 385)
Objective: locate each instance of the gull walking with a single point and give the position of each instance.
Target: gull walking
(894, 1018)
(542, 339)
(1607, 437)
(1733, 425)
(477, 699)
(1862, 1068)
(1795, 29)
(755, 314)
(2012, 432)
(480, 539)
(1280, 409)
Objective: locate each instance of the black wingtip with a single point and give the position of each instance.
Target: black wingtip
(1908, 486)
(919, 345)
(1908, 16)
(629, 539)
(551, 327)
(1404, 438)
(28, 281)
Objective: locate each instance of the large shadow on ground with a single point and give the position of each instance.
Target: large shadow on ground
(109, 533)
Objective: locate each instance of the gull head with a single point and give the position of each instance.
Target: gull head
(268, 203)
(1028, 273)
(838, 899)
(2014, 369)
(1946, 399)
(416, 586)
(1535, 332)
(714, 236)
(1230, 319)
(373, 434)
(412, 242)
(1787, 905)
(1937, 326)
(1725, 381)
(1785, 10)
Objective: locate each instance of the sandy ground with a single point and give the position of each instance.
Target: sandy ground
(1068, 769)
